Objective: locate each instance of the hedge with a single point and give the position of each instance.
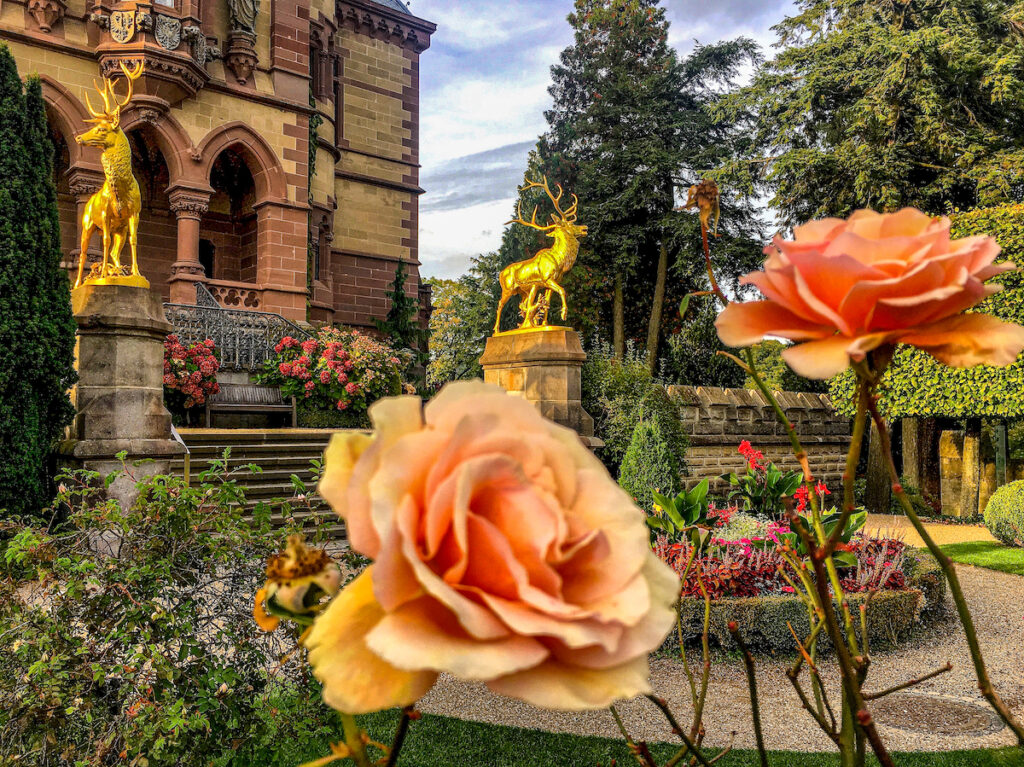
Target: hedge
(762, 620)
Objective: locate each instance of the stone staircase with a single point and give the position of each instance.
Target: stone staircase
(280, 453)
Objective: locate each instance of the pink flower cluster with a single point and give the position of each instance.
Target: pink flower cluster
(336, 369)
(190, 373)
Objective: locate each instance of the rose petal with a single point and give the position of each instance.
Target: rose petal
(743, 324)
(968, 340)
(340, 458)
(355, 679)
(423, 635)
(556, 685)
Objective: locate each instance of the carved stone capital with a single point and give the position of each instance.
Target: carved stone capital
(84, 183)
(189, 203)
(193, 268)
(46, 12)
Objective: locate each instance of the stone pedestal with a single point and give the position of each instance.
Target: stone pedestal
(543, 366)
(119, 396)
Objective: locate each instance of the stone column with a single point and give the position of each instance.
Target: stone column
(189, 206)
(83, 183)
(119, 395)
(544, 367)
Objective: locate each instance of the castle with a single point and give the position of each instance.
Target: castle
(275, 142)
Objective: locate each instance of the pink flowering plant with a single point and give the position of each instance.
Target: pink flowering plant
(190, 373)
(341, 370)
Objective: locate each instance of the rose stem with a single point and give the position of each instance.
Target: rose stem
(755, 707)
(848, 666)
(630, 743)
(354, 740)
(676, 729)
(911, 683)
(400, 733)
(948, 569)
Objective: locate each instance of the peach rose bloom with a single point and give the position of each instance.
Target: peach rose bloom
(503, 552)
(844, 288)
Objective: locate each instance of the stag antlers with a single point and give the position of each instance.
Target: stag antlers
(113, 113)
(567, 216)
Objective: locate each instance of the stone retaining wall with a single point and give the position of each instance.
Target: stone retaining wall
(717, 420)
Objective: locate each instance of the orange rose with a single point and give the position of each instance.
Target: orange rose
(848, 287)
(503, 553)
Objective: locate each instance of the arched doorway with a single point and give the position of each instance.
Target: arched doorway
(229, 227)
(67, 203)
(158, 229)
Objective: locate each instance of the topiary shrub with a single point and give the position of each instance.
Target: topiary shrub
(1004, 514)
(654, 459)
(615, 392)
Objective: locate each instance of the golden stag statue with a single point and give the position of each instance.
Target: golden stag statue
(115, 208)
(542, 273)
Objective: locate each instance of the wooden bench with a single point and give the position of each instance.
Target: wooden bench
(249, 398)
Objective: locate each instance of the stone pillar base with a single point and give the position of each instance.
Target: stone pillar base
(544, 367)
(120, 396)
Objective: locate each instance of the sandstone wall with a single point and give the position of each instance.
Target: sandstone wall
(717, 420)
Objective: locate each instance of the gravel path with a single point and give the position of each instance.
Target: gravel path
(997, 603)
(900, 527)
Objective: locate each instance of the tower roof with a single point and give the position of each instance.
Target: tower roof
(397, 5)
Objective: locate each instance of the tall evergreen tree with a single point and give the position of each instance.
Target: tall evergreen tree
(630, 123)
(37, 330)
(882, 104)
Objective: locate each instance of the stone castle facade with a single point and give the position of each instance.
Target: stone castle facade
(276, 142)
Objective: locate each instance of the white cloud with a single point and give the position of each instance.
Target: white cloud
(450, 238)
(484, 88)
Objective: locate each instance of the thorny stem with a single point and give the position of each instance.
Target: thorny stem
(408, 713)
(911, 683)
(677, 730)
(711, 269)
(354, 741)
(698, 713)
(948, 569)
(630, 743)
(848, 666)
(755, 706)
(794, 440)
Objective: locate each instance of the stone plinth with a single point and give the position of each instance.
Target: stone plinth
(119, 396)
(544, 367)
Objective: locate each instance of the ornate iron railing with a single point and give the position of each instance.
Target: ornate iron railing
(244, 339)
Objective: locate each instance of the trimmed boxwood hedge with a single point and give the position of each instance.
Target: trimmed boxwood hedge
(1004, 514)
(762, 620)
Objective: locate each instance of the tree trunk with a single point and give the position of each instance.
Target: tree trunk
(618, 321)
(928, 455)
(654, 325)
(911, 451)
(879, 486)
(971, 483)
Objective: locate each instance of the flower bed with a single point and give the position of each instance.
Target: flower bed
(762, 604)
(335, 376)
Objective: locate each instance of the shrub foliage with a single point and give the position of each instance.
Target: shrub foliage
(1004, 514)
(133, 637)
(37, 331)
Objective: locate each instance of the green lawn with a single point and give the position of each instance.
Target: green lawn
(438, 741)
(994, 556)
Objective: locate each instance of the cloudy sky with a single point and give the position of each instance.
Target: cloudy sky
(484, 87)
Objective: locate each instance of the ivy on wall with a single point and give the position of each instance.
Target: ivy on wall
(916, 385)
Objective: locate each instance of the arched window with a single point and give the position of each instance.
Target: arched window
(229, 226)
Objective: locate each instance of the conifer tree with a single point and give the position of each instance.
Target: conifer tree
(37, 331)
(881, 104)
(630, 124)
